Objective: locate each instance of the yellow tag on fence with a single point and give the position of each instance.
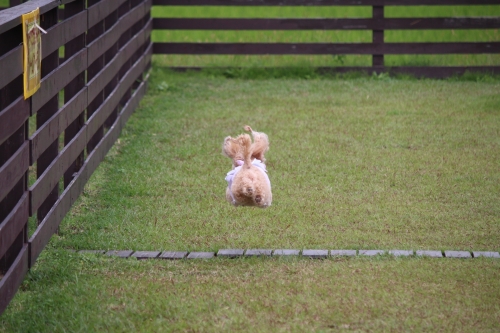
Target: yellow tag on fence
(32, 46)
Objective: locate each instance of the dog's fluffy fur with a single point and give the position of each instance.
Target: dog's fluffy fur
(250, 185)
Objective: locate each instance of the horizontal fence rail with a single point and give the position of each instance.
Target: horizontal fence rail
(325, 24)
(326, 48)
(321, 2)
(51, 143)
(377, 25)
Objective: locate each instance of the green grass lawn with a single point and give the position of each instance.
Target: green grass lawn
(360, 162)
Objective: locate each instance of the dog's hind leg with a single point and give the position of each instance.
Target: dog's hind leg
(260, 144)
(246, 146)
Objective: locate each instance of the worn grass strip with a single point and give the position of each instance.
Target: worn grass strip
(88, 293)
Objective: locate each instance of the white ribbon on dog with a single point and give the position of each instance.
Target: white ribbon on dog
(231, 174)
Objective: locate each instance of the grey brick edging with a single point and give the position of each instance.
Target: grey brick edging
(312, 254)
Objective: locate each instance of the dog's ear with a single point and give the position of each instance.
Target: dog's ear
(229, 147)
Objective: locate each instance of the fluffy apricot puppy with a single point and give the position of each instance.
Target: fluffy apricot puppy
(248, 183)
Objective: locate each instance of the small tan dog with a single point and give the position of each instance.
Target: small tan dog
(248, 183)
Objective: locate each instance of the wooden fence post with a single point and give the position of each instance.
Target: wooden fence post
(71, 48)
(49, 63)
(122, 10)
(93, 33)
(378, 36)
(8, 148)
(109, 21)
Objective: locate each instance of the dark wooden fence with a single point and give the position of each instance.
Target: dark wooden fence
(377, 24)
(51, 143)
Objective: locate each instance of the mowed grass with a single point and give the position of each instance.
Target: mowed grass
(326, 36)
(360, 162)
(68, 292)
(367, 163)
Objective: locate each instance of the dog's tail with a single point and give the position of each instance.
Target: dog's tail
(260, 144)
(245, 142)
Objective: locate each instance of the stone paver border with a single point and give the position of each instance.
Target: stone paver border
(173, 255)
(401, 253)
(200, 255)
(343, 253)
(282, 252)
(258, 253)
(121, 254)
(230, 253)
(478, 254)
(432, 254)
(457, 254)
(146, 254)
(315, 254)
(371, 253)
(306, 253)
